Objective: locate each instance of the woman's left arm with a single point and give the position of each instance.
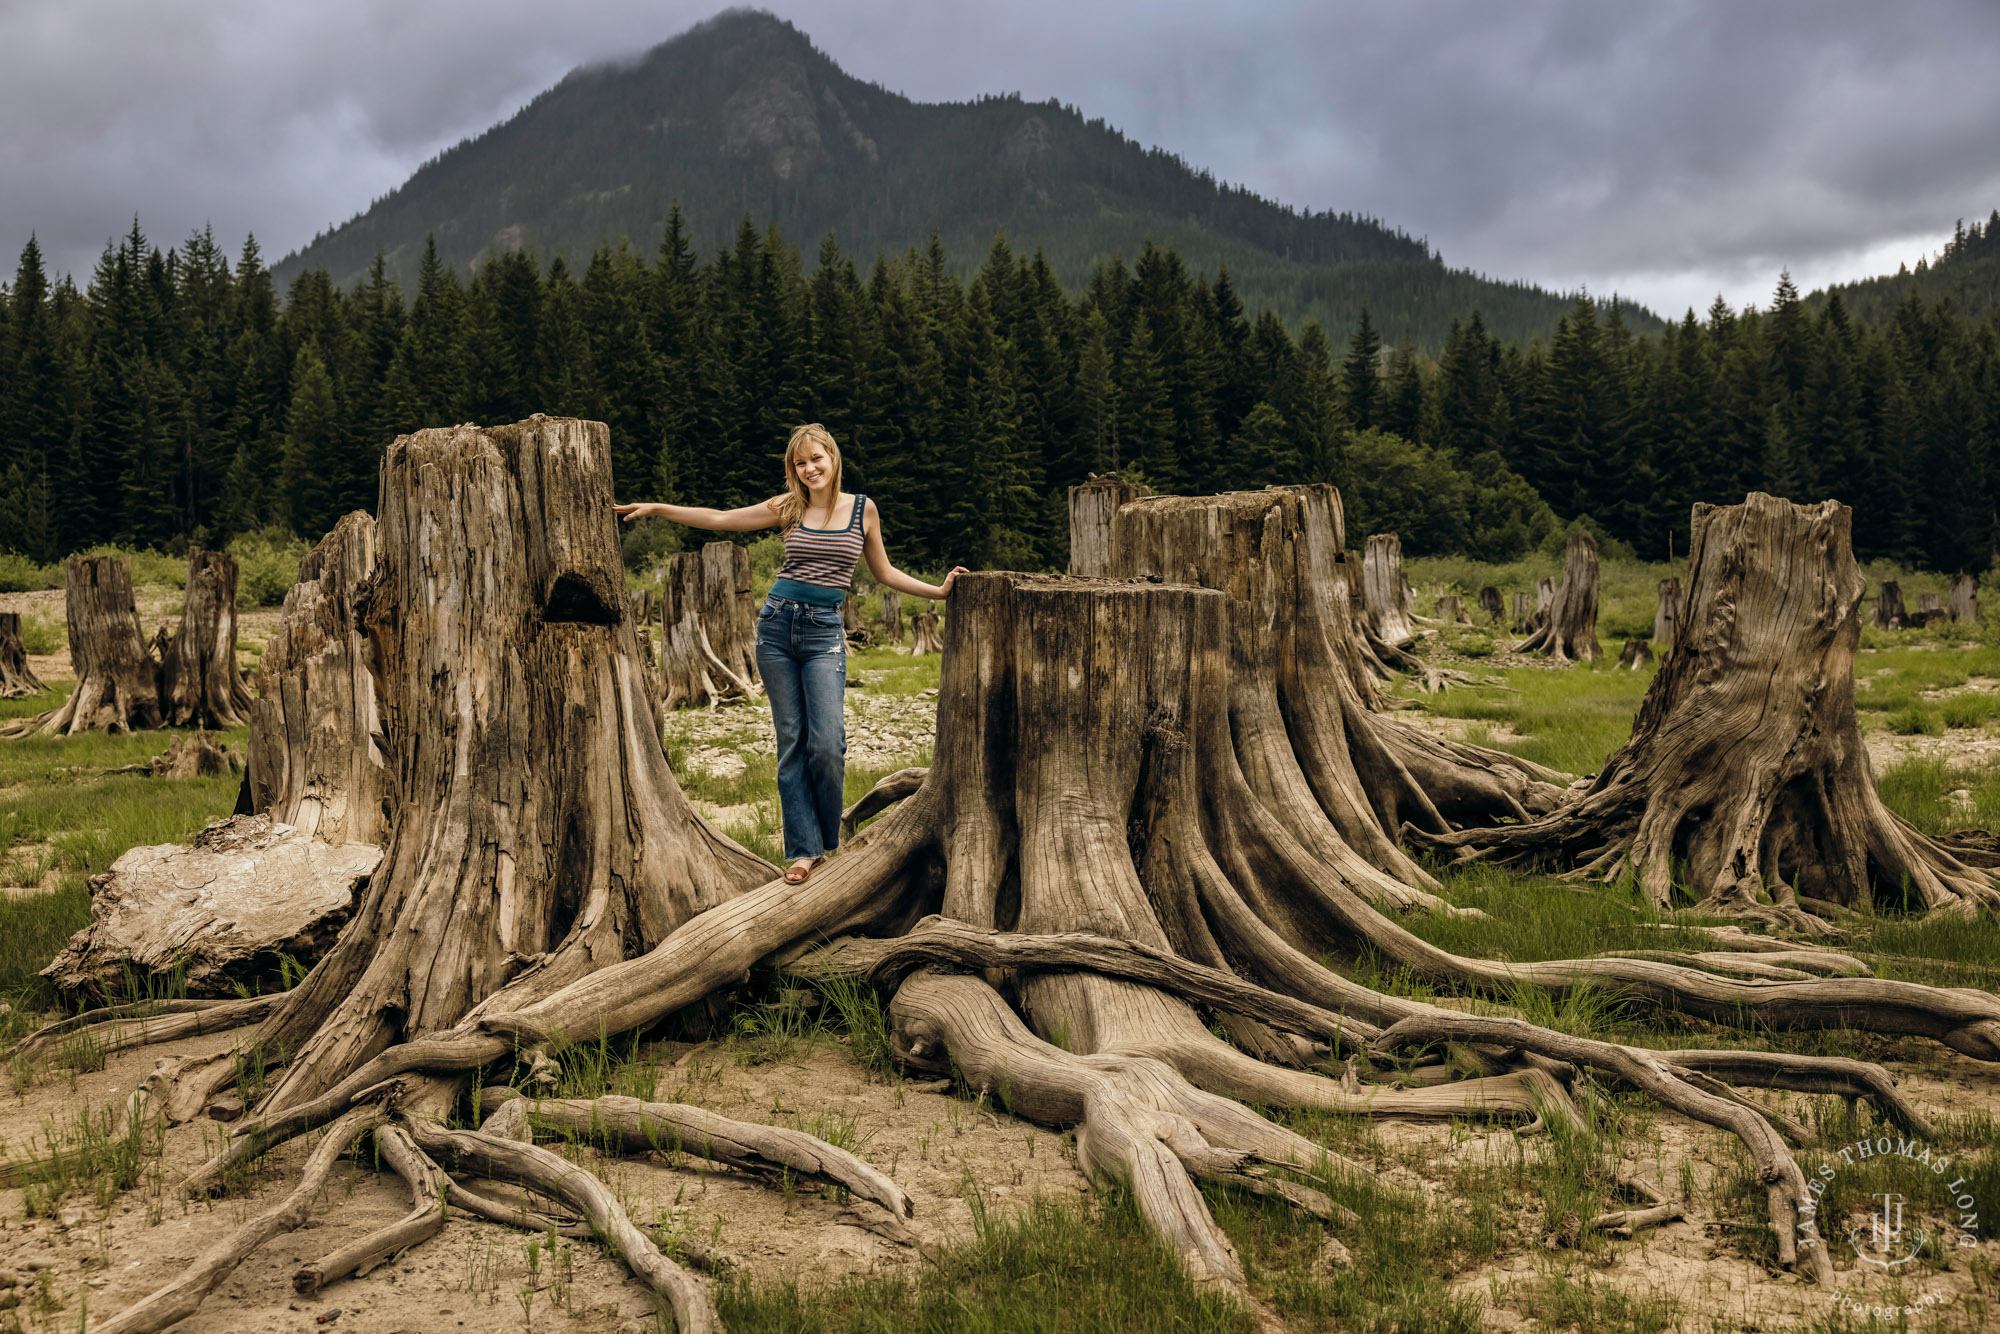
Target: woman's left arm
(888, 575)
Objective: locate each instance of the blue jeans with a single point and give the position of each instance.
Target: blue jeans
(802, 656)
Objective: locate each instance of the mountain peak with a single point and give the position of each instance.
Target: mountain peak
(742, 114)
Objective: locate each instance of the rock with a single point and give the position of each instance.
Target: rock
(248, 886)
(74, 1216)
(1334, 1255)
(228, 1107)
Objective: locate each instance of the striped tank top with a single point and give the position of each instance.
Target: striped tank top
(819, 562)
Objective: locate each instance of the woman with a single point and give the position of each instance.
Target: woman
(801, 650)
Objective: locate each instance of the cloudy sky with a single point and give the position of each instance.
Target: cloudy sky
(1663, 150)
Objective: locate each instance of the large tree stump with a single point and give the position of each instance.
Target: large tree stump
(1889, 613)
(17, 679)
(892, 617)
(1524, 613)
(709, 627)
(1668, 611)
(1091, 506)
(1490, 604)
(1964, 604)
(1386, 592)
(117, 678)
(538, 832)
(1450, 608)
(218, 911)
(200, 684)
(1746, 771)
(319, 749)
(1569, 634)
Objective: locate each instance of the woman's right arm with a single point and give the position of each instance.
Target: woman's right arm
(763, 514)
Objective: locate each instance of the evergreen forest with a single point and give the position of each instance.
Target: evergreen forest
(180, 398)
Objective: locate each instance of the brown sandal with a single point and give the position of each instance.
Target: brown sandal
(799, 872)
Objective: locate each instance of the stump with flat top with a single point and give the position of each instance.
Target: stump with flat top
(708, 625)
(1091, 505)
(1889, 613)
(117, 677)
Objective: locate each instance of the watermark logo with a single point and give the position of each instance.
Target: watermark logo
(1916, 1201)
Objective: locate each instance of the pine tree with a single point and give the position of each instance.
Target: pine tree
(1361, 375)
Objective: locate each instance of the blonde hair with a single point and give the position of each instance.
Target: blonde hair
(792, 505)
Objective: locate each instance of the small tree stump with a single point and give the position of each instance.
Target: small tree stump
(200, 685)
(892, 617)
(924, 637)
(852, 626)
(1668, 611)
(1490, 604)
(1929, 605)
(1091, 507)
(709, 627)
(17, 679)
(1524, 613)
(318, 745)
(1964, 602)
(1746, 770)
(1385, 591)
(248, 887)
(117, 679)
(192, 755)
(1889, 613)
(1637, 653)
(1569, 634)
(1450, 609)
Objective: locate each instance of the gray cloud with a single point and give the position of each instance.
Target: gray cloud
(1666, 151)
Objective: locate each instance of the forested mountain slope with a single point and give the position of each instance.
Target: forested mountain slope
(1966, 272)
(743, 115)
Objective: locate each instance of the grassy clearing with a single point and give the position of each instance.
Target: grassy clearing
(1569, 719)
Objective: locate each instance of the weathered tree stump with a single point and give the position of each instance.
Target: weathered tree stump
(1889, 613)
(117, 678)
(1570, 632)
(1490, 604)
(1930, 607)
(217, 911)
(319, 750)
(1964, 604)
(1524, 613)
(1637, 653)
(1450, 609)
(856, 630)
(708, 624)
(924, 636)
(200, 684)
(1667, 612)
(1746, 769)
(1091, 506)
(17, 679)
(495, 616)
(892, 617)
(1386, 592)
(191, 755)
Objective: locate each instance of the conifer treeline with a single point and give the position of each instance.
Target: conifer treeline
(176, 399)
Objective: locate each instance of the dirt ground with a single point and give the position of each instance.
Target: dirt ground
(936, 1146)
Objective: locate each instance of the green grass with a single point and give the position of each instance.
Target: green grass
(1573, 718)
(60, 814)
(1079, 1267)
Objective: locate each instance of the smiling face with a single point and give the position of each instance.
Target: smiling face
(813, 467)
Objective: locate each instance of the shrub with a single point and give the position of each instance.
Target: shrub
(267, 565)
(18, 574)
(148, 566)
(40, 635)
(1916, 720)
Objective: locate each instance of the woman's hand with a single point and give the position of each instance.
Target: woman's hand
(944, 589)
(637, 510)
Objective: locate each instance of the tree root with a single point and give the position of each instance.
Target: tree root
(428, 1188)
(118, 1027)
(1792, 1210)
(898, 785)
(179, 1299)
(628, 1125)
(552, 1175)
(1625, 1222)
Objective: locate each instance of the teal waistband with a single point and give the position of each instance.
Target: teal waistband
(812, 593)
